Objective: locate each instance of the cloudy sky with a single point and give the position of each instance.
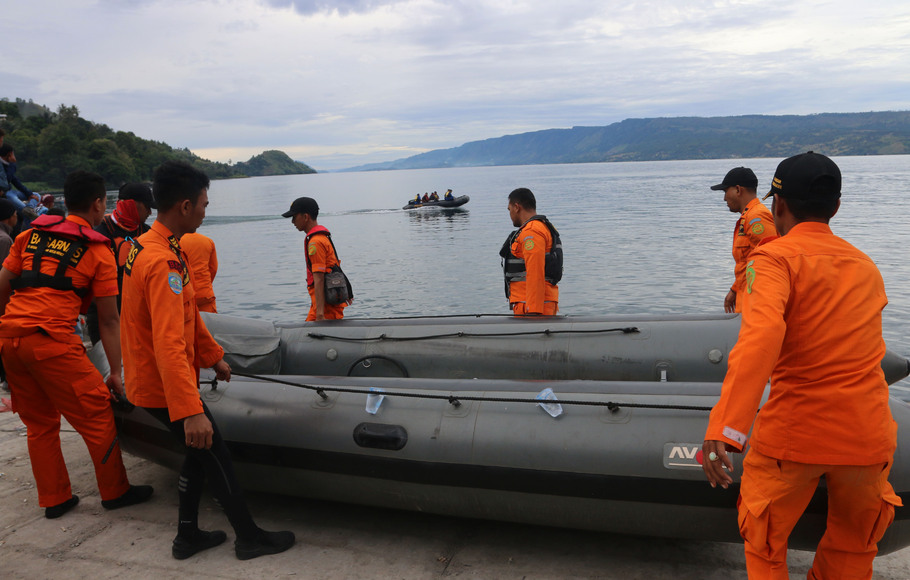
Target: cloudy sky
(345, 82)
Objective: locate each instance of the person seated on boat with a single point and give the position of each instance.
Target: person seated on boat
(426, 197)
(434, 196)
(449, 196)
(416, 200)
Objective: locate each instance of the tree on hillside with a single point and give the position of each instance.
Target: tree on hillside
(49, 145)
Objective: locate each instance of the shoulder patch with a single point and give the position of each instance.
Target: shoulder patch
(175, 281)
(758, 229)
(311, 249)
(752, 221)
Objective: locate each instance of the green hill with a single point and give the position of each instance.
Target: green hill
(50, 145)
(881, 133)
(273, 163)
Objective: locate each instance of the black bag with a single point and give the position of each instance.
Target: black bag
(338, 288)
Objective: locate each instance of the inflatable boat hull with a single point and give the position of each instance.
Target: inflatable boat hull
(619, 468)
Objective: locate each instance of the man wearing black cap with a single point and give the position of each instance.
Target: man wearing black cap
(812, 322)
(320, 257)
(754, 225)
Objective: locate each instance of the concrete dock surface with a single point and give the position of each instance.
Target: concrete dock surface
(333, 540)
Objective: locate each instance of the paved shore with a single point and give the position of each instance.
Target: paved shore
(333, 540)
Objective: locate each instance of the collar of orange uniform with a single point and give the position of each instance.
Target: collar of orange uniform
(168, 236)
(811, 228)
(751, 204)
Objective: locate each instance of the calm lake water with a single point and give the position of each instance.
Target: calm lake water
(639, 238)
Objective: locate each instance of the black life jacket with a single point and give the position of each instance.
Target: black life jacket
(513, 267)
(121, 243)
(62, 240)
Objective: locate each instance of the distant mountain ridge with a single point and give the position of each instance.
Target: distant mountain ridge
(748, 136)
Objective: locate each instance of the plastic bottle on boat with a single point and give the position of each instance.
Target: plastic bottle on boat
(374, 400)
(552, 409)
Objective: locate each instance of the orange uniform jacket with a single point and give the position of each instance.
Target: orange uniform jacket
(754, 225)
(531, 245)
(203, 261)
(163, 338)
(322, 257)
(812, 323)
(55, 311)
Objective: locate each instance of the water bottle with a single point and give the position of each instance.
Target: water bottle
(552, 409)
(373, 400)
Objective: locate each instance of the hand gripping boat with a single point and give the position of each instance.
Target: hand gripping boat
(457, 428)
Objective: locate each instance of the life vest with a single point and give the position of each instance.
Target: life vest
(63, 240)
(316, 231)
(513, 267)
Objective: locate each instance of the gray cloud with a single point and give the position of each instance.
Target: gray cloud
(376, 80)
(342, 7)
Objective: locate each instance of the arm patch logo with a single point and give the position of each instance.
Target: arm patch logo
(175, 281)
(758, 229)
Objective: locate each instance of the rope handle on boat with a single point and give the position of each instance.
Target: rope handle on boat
(455, 401)
(461, 334)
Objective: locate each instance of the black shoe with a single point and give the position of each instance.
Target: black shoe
(135, 494)
(264, 544)
(55, 511)
(185, 547)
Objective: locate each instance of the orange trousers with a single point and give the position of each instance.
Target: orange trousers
(521, 308)
(47, 378)
(773, 496)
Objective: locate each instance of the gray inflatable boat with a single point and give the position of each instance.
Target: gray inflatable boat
(459, 420)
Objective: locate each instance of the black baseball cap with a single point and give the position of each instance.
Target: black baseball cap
(737, 176)
(805, 176)
(303, 205)
(141, 192)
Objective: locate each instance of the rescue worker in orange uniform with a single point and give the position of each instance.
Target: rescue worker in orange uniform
(320, 257)
(812, 322)
(203, 262)
(165, 343)
(55, 268)
(120, 227)
(754, 224)
(531, 258)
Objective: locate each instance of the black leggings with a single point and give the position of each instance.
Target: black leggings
(214, 465)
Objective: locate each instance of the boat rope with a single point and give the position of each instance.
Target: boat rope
(546, 332)
(456, 400)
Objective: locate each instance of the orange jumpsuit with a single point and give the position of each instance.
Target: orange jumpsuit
(49, 373)
(163, 338)
(321, 257)
(203, 261)
(812, 323)
(754, 225)
(534, 295)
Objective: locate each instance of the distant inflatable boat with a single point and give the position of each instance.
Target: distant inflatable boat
(443, 203)
(581, 422)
